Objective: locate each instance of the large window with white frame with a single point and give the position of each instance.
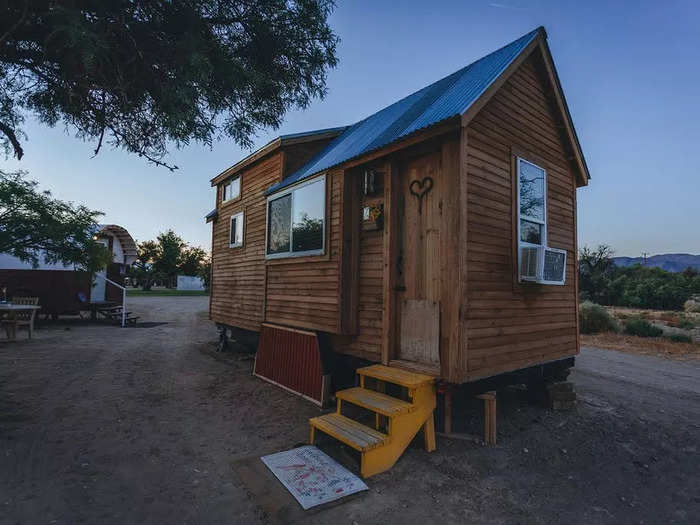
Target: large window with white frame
(235, 239)
(231, 189)
(296, 220)
(532, 204)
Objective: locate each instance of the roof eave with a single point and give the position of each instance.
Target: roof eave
(274, 145)
(256, 155)
(539, 42)
(583, 175)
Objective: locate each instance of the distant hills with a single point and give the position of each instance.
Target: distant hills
(672, 262)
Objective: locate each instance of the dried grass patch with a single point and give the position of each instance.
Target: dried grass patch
(656, 346)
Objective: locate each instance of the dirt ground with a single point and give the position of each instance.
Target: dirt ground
(100, 424)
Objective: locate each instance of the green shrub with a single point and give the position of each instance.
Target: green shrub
(642, 328)
(593, 318)
(685, 323)
(680, 338)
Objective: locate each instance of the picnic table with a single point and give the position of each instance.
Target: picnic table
(9, 313)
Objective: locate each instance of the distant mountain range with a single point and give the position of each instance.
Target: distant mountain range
(673, 262)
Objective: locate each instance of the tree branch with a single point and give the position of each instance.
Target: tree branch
(19, 22)
(10, 134)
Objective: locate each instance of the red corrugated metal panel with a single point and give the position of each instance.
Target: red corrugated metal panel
(292, 359)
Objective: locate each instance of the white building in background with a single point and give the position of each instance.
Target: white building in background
(62, 289)
(190, 282)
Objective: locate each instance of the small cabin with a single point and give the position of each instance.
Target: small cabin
(437, 235)
(62, 289)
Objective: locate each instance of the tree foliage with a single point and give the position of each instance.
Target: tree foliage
(163, 259)
(191, 260)
(205, 272)
(142, 270)
(637, 286)
(169, 255)
(140, 74)
(37, 228)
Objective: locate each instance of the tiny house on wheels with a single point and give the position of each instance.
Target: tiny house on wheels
(435, 238)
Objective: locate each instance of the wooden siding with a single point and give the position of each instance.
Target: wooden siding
(299, 154)
(304, 292)
(57, 290)
(366, 341)
(511, 325)
(238, 288)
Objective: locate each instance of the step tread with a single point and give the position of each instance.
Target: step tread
(375, 401)
(358, 436)
(397, 376)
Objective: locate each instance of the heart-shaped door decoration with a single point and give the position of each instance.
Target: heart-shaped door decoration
(420, 188)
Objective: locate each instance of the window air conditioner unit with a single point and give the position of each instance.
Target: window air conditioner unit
(542, 265)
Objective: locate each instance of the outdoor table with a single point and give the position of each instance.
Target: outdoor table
(8, 311)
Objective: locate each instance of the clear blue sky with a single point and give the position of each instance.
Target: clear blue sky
(629, 70)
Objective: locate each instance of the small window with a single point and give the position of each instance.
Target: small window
(532, 209)
(296, 220)
(232, 189)
(236, 231)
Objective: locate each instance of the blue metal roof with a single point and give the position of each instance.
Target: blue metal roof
(312, 132)
(446, 98)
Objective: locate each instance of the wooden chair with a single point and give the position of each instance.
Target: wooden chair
(21, 318)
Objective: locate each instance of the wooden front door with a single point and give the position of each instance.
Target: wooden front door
(418, 262)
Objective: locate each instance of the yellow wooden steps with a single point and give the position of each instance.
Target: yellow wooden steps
(396, 376)
(375, 401)
(349, 431)
(404, 419)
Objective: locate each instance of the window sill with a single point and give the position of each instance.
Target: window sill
(230, 201)
(298, 259)
(236, 245)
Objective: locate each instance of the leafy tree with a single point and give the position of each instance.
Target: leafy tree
(139, 74)
(143, 270)
(205, 272)
(165, 258)
(35, 227)
(191, 260)
(596, 269)
(167, 261)
(690, 272)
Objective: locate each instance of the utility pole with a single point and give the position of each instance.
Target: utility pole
(644, 258)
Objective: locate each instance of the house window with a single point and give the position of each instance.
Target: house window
(296, 220)
(236, 231)
(532, 206)
(232, 189)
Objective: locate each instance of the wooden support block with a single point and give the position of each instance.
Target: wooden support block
(447, 425)
(429, 433)
(489, 417)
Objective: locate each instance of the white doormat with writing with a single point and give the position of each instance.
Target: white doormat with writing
(312, 477)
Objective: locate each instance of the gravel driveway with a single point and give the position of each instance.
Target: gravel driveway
(100, 424)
